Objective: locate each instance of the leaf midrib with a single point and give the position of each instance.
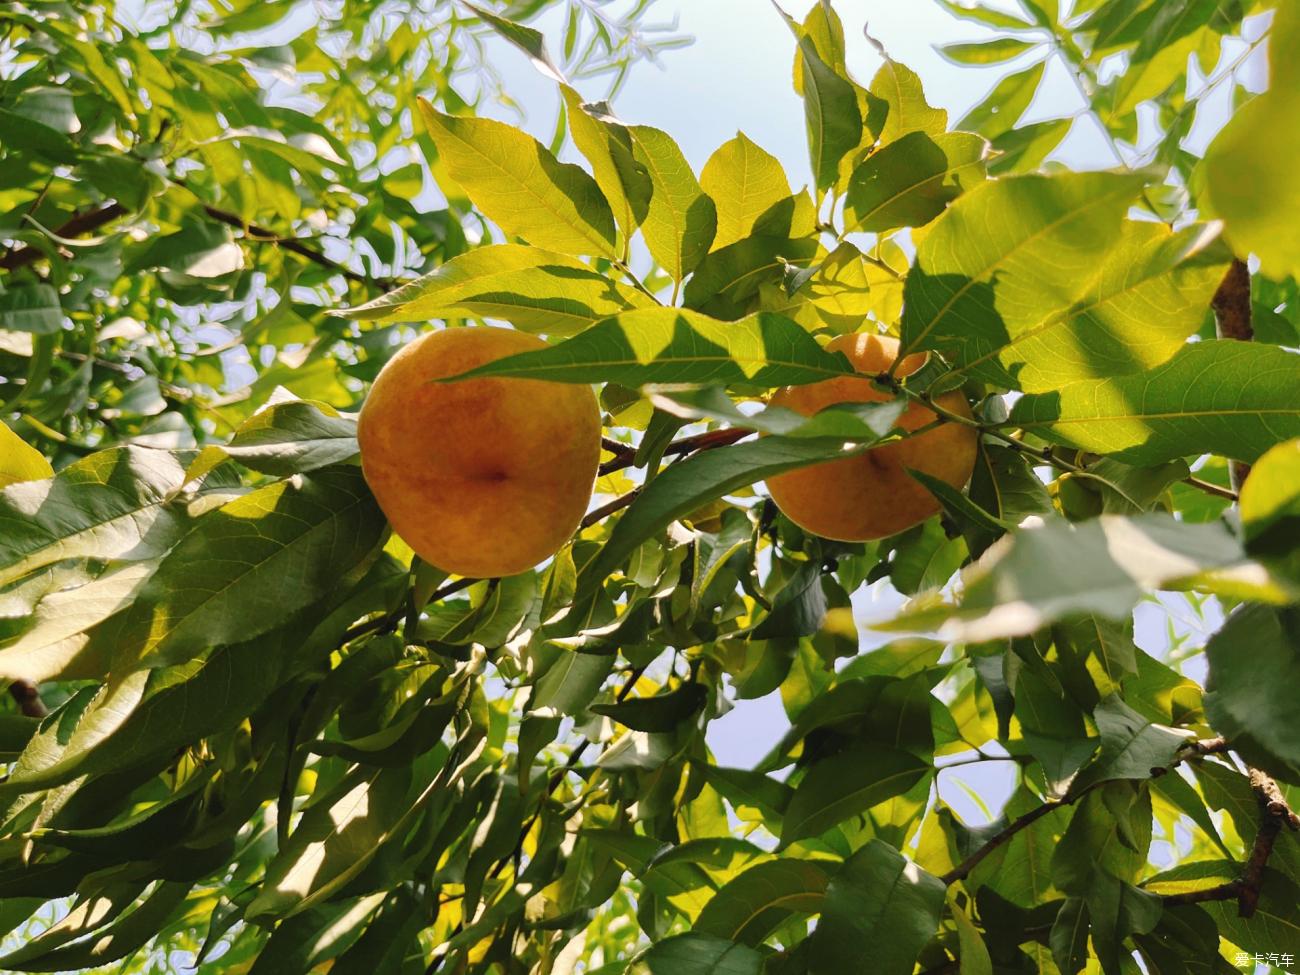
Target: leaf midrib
(1000, 261)
(334, 516)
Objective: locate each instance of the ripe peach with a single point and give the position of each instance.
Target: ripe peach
(485, 477)
(872, 495)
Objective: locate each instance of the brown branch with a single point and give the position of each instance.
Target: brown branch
(84, 223)
(1231, 304)
(625, 454)
(28, 697)
(605, 510)
(1222, 892)
(81, 223)
(1194, 749)
(261, 235)
(1274, 814)
(1004, 835)
(1232, 318)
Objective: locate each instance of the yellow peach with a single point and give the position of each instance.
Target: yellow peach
(871, 495)
(484, 477)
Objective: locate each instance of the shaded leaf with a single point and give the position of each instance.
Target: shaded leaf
(749, 907)
(680, 220)
(110, 505)
(1008, 254)
(672, 345)
(878, 899)
(1055, 569)
(1254, 661)
(848, 784)
(697, 954)
(909, 182)
(1169, 412)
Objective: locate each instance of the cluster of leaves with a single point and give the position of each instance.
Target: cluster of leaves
(286, 744)
(232, 193)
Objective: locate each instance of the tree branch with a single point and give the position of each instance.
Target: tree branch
(28, 697)
(261, 235)
(90, 220)
(1194, 749)
(1274, 814)
(1232, 318)
(625, 454)
(1231, 304)
(81, 223)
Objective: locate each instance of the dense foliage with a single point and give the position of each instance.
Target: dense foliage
(278, 742)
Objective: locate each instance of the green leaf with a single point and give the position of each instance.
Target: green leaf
(1160, 57)
(248, 566)
(1002, 108)
(1045, 572)
(1131, 746)
(607, 144)
(528, 40)
(831, 113)
(19, 461)
(1069, 936)
(663, 712)
(680, 221)
(843, 421)
(533, 289)
(798, 610)
(900, 89)
(744, 182)
(126, 935)
(987, 16)
(1254, 663)
(909, 182)
(881, 902)
(697, 954)
(1248, 178)
(750, 906)
(725, 283)
(1270, 508)
(54, 644)
(987, 52)
(1024, 149)
(565, 681)
(1007, 255)
(520, 186)
(672, 345)
(110, 505)
(338, 831)
(752, 794)
(848, 784)
(974, 953)
(1114, 328)
(293, 437)
(685, 486)
(31, 308)
(1117, 910)
(1175, 410)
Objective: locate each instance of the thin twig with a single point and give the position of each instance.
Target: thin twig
(962, 870)
(625, 454)
(260, 234)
